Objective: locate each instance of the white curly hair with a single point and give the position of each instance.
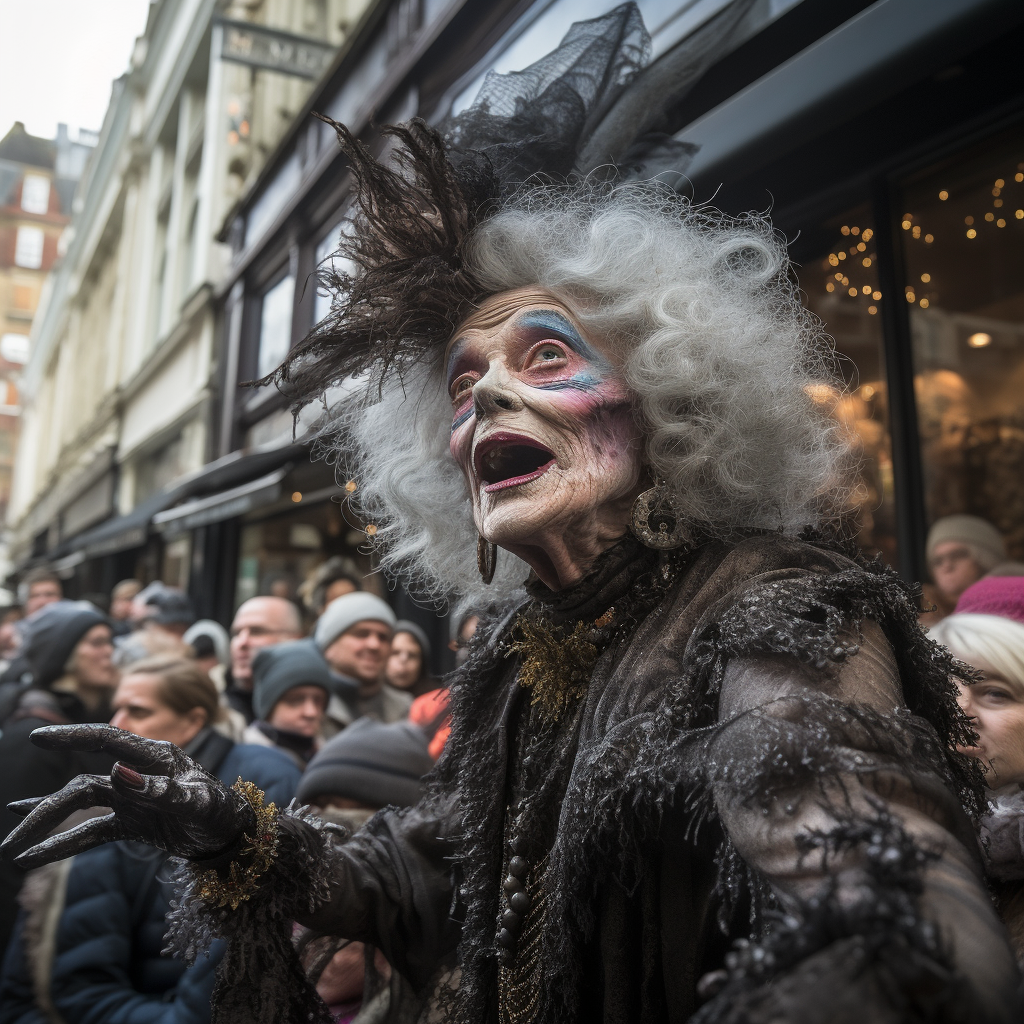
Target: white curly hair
(734, 382)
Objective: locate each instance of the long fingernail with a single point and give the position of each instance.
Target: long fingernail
(129, 776)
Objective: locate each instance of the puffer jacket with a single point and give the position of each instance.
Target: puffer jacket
(87, 946)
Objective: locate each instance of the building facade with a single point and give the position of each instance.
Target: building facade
(119, 387)
(884, 137)
(37, 188)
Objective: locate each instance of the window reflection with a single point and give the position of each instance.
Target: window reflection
(963, 243)
(275, 326)
(839, 277)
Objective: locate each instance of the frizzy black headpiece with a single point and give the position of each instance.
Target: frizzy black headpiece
(409, 285)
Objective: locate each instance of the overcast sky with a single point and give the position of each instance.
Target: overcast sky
(58, 59)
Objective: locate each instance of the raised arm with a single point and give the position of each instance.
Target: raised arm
(839, 800)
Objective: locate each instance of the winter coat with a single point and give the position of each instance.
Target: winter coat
(27, 770)
(89, 943)
(687, 749)
(1002, 845)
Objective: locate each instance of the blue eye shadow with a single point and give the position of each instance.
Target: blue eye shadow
(552, 320)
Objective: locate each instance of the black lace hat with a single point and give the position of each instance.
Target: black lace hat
(587, 108)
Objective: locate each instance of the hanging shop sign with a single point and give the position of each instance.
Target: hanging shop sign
(259, 47)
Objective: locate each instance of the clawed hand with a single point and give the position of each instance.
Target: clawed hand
(157, 793)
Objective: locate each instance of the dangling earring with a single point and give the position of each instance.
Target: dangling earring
(658, 519)
(486, 559)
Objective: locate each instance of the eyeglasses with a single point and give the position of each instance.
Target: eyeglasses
(950, 557)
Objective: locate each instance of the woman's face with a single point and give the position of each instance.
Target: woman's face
(93, 659)
(953, 568)
(139, 709)
(996, 710)
(541, 419)
(405, 662)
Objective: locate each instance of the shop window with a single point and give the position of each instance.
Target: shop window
(275, 326)
(28, 248)
(279, 553)
(327, 261)
(175, 568)
(839, 277)
(963, 250)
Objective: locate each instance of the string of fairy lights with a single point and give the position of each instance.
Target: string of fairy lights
(848, 268)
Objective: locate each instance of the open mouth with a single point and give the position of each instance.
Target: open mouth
(508, 460)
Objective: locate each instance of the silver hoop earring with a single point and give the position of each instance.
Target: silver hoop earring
(658, 519)
(486, 559)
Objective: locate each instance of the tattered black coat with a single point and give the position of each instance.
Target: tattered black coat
(763, 753)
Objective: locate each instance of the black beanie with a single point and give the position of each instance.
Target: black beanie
(277, 669)
(53, 635)
(376, 764)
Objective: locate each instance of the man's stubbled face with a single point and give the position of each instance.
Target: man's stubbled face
(541, 424)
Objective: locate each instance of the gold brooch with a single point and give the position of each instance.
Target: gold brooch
(242, 882)
(556, 664)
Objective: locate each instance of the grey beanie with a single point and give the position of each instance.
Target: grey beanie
(418, 634)
(375, 764)
(968, 530)
(344, 612)
(279, 668)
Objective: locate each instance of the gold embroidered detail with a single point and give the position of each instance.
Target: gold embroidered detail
(242, 882)
(519, 984)
(556, 664)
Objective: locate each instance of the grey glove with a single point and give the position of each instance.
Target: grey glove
(157, 793)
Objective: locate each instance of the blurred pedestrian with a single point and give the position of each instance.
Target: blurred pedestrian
(987, 633)
(259, 622)
(161, 615)
(960, 550)
(368, 766)
(10, 640)
(39, 588)
(407, 665)
(211, 649)
(291, 685)
(121, 598)
(430, 711)
(332, 579)
(108, 905)
(354, 633)
(69, 648)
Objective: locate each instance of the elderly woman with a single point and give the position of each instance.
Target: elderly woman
(600, 411)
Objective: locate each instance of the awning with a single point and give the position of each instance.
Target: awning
(121, 533)
(225, 505)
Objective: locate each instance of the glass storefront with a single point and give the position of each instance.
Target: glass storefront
(279, 552)
(839, 279)
(963, 252)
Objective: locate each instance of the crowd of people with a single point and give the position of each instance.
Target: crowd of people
(347, 719)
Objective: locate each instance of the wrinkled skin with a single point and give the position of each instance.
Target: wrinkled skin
(543, 429)
(996, 709)
(157, 793)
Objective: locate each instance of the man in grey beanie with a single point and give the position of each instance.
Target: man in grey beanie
(354, 634)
